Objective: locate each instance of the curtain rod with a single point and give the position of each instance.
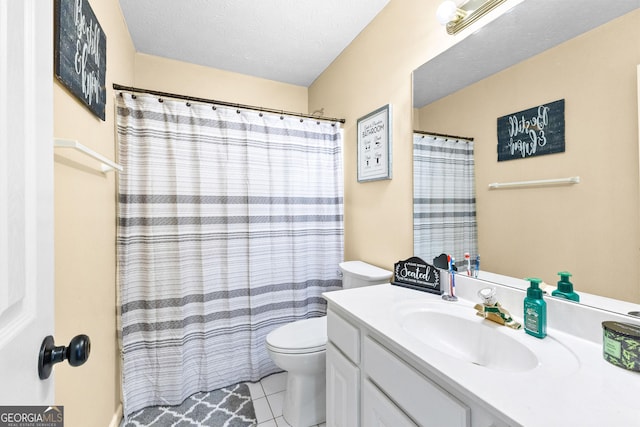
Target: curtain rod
(444, 135)
(223, 103)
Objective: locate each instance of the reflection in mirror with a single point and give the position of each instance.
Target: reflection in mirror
(444, 210)
(591, 229)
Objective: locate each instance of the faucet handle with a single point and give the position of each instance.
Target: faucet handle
(488, 296)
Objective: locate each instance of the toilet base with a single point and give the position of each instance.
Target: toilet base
(304, 401)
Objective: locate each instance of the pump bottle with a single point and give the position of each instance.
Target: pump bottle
(535, 310)
(565, 288)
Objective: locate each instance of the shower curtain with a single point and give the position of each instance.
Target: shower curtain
(230, 223)
(444, 201)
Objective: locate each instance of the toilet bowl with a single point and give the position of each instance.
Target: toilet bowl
(300, 347)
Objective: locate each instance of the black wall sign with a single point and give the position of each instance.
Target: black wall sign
(533, 132)
(81, 53)
(414, 273)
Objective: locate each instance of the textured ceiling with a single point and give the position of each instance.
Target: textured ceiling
(531, 27)
(291, 41)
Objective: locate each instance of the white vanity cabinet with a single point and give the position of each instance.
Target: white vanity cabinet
(398, 357)
(343, 389)
(370, 385)
(343, 373)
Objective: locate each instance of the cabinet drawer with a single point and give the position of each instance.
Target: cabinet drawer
(344, 335)
(379, 411)
(421, 399)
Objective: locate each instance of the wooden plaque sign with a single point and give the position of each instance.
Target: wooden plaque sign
(81, 53)
(414, 273)
(532, 132)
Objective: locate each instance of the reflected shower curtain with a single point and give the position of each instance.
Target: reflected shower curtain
(230, 223)
(444, 201)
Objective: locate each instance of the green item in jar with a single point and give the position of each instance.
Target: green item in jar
(621, 344)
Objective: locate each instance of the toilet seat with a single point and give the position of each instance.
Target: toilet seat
(302, 336)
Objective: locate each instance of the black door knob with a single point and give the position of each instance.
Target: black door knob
(76, 353)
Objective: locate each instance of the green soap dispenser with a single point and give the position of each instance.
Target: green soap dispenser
(565, 288)
(535, 310)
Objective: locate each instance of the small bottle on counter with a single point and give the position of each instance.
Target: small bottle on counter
(535, 310)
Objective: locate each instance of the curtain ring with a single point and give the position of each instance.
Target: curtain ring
(160, 100)
(133, 96)
(188, 104)
(213, 107)
(238, 111)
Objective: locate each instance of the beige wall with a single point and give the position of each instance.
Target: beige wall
(166, 75)
(85, 207)
(85, 239)
(376, 70)
(373, 71)
(592, 228)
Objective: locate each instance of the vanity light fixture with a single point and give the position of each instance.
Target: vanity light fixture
(449, 12)
(459, 14)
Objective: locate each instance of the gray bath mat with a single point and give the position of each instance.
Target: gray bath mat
(226, 407)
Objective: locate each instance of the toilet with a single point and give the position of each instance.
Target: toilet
(299, 348)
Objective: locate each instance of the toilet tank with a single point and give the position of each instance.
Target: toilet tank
(356, 274)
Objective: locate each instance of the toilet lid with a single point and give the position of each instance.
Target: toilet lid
(302, 336)
(365, 271)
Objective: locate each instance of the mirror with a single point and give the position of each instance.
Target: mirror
(586, 53)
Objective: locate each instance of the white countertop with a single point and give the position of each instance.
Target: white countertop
(577, 388)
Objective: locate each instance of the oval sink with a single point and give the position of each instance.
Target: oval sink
(470, 339)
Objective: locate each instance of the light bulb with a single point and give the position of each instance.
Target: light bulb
(446, 12)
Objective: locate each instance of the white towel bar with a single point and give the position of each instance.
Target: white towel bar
(106, 164)
(541, 182)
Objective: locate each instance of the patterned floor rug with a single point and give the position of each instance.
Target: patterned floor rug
(226, 407)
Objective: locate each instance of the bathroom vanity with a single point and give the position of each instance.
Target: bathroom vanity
(399, 357)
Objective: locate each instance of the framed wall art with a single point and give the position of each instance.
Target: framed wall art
(374, 145)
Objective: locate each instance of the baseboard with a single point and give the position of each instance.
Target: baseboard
(117, 417)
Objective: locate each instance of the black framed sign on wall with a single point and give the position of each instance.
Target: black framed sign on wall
(81, 53)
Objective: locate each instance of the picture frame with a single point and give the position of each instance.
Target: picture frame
(374, 145)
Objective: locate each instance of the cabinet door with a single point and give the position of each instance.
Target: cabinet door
(343, 404)
(379, 411)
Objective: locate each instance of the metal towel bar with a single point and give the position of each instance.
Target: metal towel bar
(540, 182)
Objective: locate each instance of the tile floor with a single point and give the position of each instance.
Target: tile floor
(267, 395)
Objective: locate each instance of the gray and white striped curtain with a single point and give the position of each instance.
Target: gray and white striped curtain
(230, 223)
(444, 201)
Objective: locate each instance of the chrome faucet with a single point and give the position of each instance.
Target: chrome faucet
(492, 310)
